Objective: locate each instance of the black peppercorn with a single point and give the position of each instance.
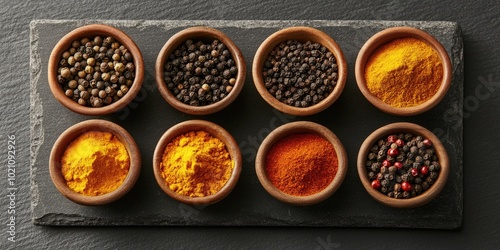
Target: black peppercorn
(371, 175)
(203, 71)
(295, 65)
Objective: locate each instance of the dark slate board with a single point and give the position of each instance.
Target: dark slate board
(249, 119)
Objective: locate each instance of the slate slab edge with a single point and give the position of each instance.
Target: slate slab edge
(36, 105)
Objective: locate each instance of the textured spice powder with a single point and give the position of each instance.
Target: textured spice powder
(95, 163)
(301, 164)
(196, 164)
(405, 72)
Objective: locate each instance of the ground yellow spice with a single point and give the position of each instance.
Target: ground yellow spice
(95, 163)
(196, 164)
(404, 72)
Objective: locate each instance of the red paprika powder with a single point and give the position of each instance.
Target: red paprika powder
(301, 164)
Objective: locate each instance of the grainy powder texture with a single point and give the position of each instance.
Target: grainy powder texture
(95, 163)
(196, 164)
(404, 72)
(301, 164)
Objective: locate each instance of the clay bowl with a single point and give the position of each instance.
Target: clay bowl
(206, 35)
(71, 134)
(386, 36)
(395, 128)
(294, 128)
(90, 31)
(215, 131)
(301, 34)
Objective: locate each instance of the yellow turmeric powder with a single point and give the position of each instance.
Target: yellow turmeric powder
(196, 164)
(404, 72)
(95, 163)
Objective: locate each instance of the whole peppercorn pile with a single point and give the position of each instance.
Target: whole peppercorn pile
(199, 73)
(97, 71)
(402, 166)
(300, 74)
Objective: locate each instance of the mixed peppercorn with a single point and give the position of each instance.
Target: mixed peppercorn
(97, 71)
(199, 73)
(300, 74)
(402, 165)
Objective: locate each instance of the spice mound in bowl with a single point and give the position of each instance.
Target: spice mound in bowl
(403, 71)
(94, 162)
(299, 70)
(200, 71)
(403, 165)
(301, 163)
(197, 162)
(95, 70)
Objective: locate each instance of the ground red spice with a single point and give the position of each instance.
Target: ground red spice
(301, 164)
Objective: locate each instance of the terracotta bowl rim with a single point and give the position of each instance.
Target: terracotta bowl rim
(214, 130)
(203, 33)
(71, 134)
(88, 31)
(386, 36)
(416, 130)
(300, 33)
(293, 128)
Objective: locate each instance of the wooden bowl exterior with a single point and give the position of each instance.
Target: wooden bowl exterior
(90, 31)
(70, 135)
(301, 34)
(404, 127)
(215, 131)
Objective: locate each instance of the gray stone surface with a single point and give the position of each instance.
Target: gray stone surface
(249, 119)
(479, 22)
